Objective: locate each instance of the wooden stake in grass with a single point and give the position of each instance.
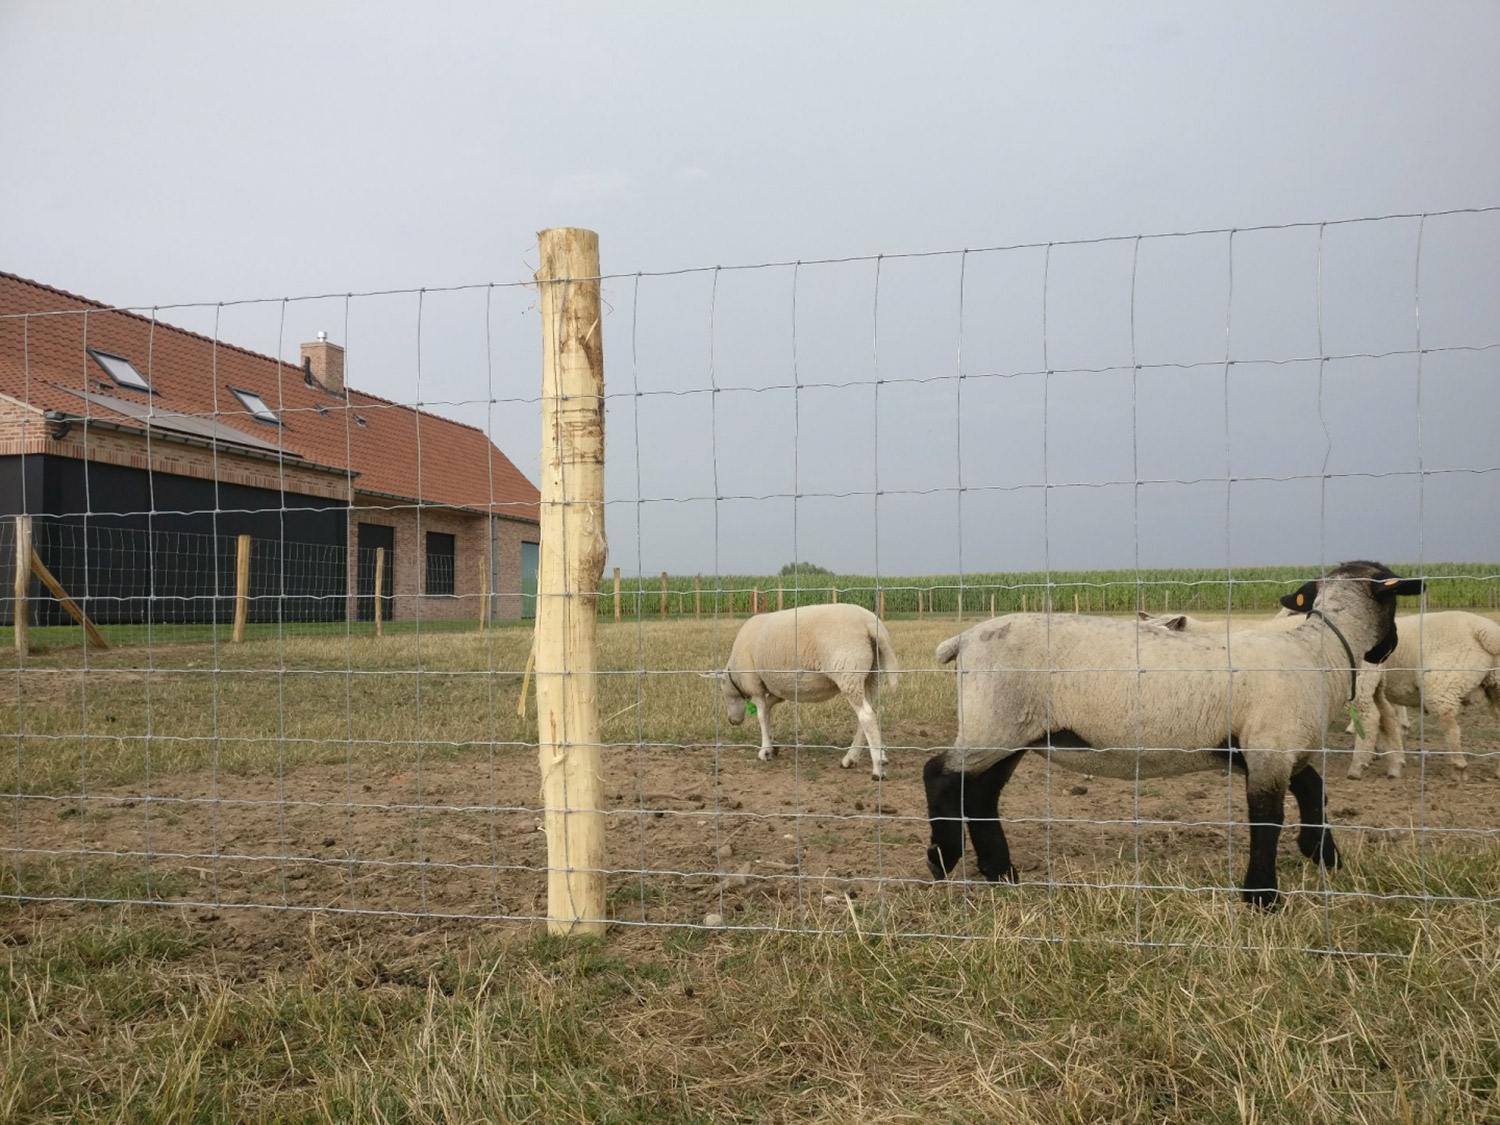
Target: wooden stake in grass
(697, 596)
(55, 587)
(992, 605)
(779, 606)
(617, 593)
(22, 611)
(731, 599)
(664, 595)
(379, 587)
(880, 604)
(573, 549)
(484, 592)
(241, 587)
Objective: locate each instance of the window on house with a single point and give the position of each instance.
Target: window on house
(256, 406)
(121, 370)
(439, 564)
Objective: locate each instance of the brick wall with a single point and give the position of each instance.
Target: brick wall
(471, 554)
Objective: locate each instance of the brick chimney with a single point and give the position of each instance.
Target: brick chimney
(325, 363)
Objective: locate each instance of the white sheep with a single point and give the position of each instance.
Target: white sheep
(1104, 696)
(807, 655)
(1366, 699)
(1441, 661)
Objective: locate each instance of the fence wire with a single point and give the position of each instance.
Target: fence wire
(1181, 423)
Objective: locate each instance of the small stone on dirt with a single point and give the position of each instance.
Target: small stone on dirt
(713, 919)
(726, 850)
(859, 806)
(329, 841)
(1077, 790)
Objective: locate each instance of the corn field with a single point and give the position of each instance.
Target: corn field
(1245, 590)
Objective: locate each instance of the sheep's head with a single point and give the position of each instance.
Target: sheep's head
(1171, 622)
(1368, 579)
(734, 699)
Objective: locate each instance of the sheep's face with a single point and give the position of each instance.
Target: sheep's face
(1379, 583)
(734, 702)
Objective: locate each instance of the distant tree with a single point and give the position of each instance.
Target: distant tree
(797, 568)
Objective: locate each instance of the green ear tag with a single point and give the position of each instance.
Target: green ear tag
(1359, 727)
(749, 706)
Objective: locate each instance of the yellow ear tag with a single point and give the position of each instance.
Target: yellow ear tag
(1299, 599)
(1392, 581)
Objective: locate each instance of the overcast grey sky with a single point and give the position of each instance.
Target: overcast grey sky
(167, 153)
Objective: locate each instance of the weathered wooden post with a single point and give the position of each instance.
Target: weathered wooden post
(617, 593)
(992, 605)
(379, 589)
(880, 603)
(697, 595)
(241, 587)
(779, 594)
(664, 595)
(572, 562)
(731, 599)
(484, 592)
(22, 614)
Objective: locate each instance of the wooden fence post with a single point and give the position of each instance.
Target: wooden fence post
(22, 615)
(484, 591)
(833, 595)
(664, 595)
(731, 599)
(880, 604)
(779, 605)
(697, 595)
(55, 588)
(572, 562)
(379, 586)
(617, 593)
(242, 587)
(992, 605)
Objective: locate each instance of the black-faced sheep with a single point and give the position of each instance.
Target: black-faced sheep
(1105, 696)
(808, 655)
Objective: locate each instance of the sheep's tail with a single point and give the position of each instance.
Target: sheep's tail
(947, 652)
(1489, 639)
(885, 657)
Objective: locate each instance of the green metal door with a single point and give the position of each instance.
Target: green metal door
(528, 579)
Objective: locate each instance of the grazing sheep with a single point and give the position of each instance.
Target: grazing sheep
(1104, 696)
(1441, 661)
(808, 655)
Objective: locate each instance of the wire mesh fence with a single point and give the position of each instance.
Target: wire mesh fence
(1197, 422)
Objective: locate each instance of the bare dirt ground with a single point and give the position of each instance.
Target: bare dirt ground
(691, 830)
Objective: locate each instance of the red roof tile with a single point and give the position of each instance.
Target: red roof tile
(43, 363)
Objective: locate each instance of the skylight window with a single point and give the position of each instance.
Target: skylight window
(256, 405)
(121, 370)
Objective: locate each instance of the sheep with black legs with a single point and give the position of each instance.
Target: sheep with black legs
(1441, 660)
(1105, 696)
(807, 655)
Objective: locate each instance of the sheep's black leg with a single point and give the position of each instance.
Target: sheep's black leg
(945, 812)
(952, 799)
(982, 811)
(1267, 811)
(1315, 840)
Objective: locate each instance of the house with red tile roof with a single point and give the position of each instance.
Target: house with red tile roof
(142, 451)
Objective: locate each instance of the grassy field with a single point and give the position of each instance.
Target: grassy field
(299, 963)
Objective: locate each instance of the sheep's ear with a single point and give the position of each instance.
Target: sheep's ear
(1142, 615)
(1397, 587)
(1175, 624)
(1302, 600)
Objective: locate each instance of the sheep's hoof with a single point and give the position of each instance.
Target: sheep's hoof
(1008, 875)
(877, 777)
(1355, 773)
(1263, 898)
(766, 755)
(1317, 844)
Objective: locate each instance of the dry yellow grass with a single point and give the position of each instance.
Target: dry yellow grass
(1045, 1010)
